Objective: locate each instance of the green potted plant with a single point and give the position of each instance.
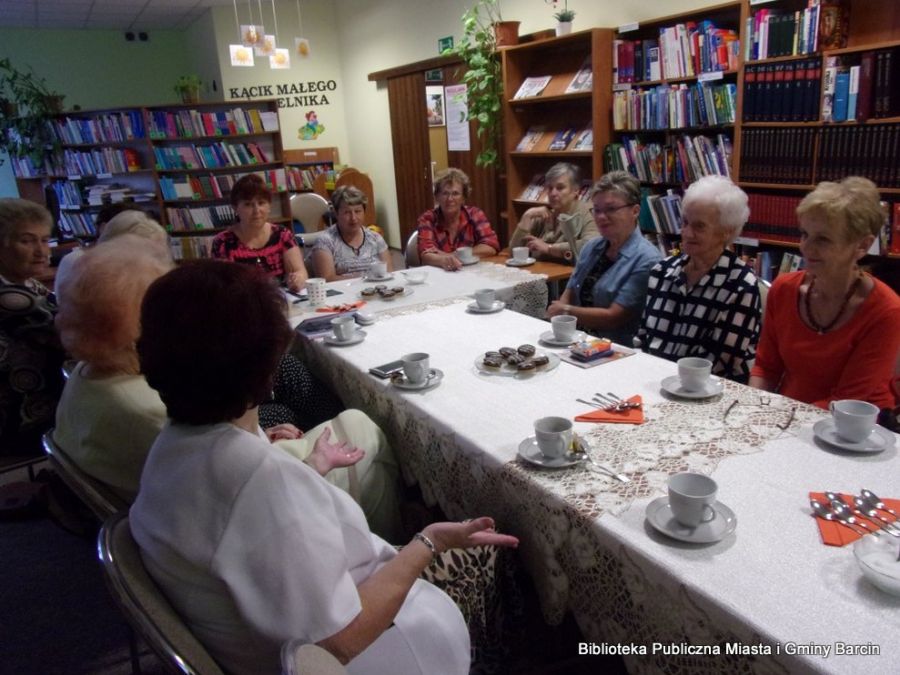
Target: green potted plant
(564, 17)
(483, 77)
(188, 88)
(29, 104)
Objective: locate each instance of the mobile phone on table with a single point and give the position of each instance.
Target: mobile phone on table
(387, 369)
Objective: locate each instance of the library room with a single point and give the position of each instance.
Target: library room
(546, 337)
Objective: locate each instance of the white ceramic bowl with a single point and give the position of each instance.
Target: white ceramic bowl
(877, 558)
(416, 275)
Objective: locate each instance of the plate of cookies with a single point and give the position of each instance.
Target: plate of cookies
(522, 361)
(384, 292)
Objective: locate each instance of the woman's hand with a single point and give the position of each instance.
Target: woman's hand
(283, 432)
(558, 307)
(295, 281)
(537, 245)
(477, 532)
(451, 263)
(327, 455)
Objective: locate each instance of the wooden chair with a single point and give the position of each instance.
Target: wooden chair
(362, 182)
(144, 605)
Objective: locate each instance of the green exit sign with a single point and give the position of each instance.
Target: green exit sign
(445, 43)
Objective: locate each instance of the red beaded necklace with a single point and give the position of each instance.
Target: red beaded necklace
(821, 330)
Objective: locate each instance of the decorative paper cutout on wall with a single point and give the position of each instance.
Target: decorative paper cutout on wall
(301, 47)
(267, 48)
(241, 55)
(252, 35)
(312, 129)
(281, 59)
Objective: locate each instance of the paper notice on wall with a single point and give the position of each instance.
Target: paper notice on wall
(457, 124)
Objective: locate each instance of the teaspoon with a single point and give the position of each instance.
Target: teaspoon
(822, 511)
(873, 499)
(845, 513)
(862, 508)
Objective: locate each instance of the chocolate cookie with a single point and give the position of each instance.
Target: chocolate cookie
(492, 361)
(515, 359)
(398, 290)
(540, 360)
(526, 350)
(368, 292)
(506, 351)
(526, 366)
(387, 295)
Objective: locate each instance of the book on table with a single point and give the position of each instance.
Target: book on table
(532, 86)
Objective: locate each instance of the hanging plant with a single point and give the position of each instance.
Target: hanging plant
(28, 105)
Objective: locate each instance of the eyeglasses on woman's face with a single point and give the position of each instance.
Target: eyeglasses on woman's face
(608, 211)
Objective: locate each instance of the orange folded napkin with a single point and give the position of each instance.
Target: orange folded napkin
(630, 416)
(349, 307)
(835, 534)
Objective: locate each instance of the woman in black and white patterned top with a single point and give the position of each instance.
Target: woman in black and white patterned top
(348, 248)
(705, 302)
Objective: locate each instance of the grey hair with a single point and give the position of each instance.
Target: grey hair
(452, 175)
(133, 222)
(16, 213)
(349, 196)
(621, 183)
(731, 202)
(561, 169)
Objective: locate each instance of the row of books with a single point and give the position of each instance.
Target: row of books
(533, 86)
(872, 151)
(191, 248)
(95, 162)
(773, 217)
(70, 196)
(820, 25)
(192, 123)
(303, 177)
(537, 190)
(680, 160)
(674, 106)
(775, 155)
(782, 92)
(186, 219)
(661, 212)
(538, 139)
(212, 156)
(861, 86)
(215, 186)
(74, 224)
(768, 264)
(682, 50)
(116, 127)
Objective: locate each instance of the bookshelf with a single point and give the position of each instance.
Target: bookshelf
(573, 102)
(177, 161)
(303, 166)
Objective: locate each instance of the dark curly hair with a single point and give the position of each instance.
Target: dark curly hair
(212, 334)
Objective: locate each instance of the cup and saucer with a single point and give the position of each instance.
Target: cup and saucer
(878, 440)
(471, 260)
(354, 339)
(495, 306)
(515, 262)
(693, 380)
(672, 385)
(383, 277)
(690, 511)
(531, 453)
(551, 444)
(549, 339)
(432, 379)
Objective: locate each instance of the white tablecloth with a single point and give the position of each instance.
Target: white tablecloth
(584, 537)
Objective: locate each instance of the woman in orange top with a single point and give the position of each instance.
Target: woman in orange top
(832, 331)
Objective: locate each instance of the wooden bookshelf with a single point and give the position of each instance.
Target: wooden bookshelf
(305, 165)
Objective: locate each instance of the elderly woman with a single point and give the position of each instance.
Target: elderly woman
(251, 546)
(30, 354)
(452, 224)
(348, 248)
(705, 302)
(108, 417)
(608, 288)
(253, 240)
(558, 231)
(832, 332)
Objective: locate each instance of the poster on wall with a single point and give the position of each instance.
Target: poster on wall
(301, 46)
(434, 105)
(266, 47)
(457, 125)
(280, 59)
(241, 55)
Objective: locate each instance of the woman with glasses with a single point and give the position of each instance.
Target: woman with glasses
(606, 292)
(452, 224)
(705, 302)
(558, 231)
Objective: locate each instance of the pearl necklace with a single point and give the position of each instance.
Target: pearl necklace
(821, 330)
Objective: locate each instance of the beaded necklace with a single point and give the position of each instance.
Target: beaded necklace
(356, 249)
(821, 330)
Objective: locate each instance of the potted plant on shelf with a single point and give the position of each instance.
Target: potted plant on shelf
(483, 77)
(564, 18)
(188, 88)
(28, 105)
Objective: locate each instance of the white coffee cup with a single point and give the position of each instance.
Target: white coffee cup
(378, 270)
(485, 298)
(563, 326)
(344, 327)
(553, 435)
(854, 420)
(694, 373)
(691, 498)
(315, 289)
(464, 253)
(417, 275)
(520, 253)
(415, 367)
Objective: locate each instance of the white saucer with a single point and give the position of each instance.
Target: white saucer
(470, 261)
(880, 438)
(672, 385)
(434, 378)
(386, 277)
(548, 339)
(496, 307)
(358, 337)
(531, 453)
(659, 515)
(512, 262)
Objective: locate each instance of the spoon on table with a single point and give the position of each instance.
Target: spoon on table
(845, 513)
(873, 500)
(822, 511)
(872, 514)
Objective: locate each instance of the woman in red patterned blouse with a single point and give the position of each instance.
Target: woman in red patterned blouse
(254, 240)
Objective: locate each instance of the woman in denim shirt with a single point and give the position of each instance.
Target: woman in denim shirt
(608, 288)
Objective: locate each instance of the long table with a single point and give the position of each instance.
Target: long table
(769, 586)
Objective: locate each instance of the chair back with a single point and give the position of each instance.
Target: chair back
(361, 181)
(144, 605)
(412, 250)
(98, 496)
(298, 658)
(309, 208)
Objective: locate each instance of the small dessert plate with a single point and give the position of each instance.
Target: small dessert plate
(470, 261)
(495, 307)
(386, 277)
(531, 453)
(548, 339)
(377, 296)
(506, 370)
(880, 438)
(672, 385)
(659, 515)
(355, 339)
(512, 262)
(434, 378)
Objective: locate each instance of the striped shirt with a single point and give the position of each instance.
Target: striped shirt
(716, 319)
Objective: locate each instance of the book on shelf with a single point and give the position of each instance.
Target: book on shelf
(531, 138)
(834, 24)
(675, 106)
(532, 86)
(535, 191)
(841, 95)
(782, 32)
(585, 139)
(894, 246)
(853, 93)
(583, 79)
(562, 139)
(828, 86)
